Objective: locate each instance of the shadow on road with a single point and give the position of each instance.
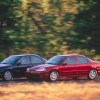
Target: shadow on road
(25, 80)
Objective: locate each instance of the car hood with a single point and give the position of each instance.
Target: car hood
(43, 65)
(4, 65)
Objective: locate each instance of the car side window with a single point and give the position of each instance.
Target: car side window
(82, 60)
(35, 59)
(70, 60)
(24, 60)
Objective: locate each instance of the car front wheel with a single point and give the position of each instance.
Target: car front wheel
(54, 76)
(92, 74)
(7, 75)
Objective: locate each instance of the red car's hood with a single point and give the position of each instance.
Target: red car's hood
(43, 65)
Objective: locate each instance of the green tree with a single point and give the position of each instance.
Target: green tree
(53, 21)
(43, 26)
(87, 25)
(7, 21)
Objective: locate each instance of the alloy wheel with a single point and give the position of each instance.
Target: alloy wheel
(7, 76)
(92, 74)
(54, 76)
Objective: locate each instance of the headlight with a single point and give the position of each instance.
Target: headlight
(27, 69)
(41, 69)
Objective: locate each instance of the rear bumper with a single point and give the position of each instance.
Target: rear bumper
(37, 75)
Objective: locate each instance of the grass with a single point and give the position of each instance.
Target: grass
(50, 91)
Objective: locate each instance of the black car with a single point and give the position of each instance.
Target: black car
(15, 66)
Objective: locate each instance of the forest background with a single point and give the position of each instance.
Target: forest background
(50, 27)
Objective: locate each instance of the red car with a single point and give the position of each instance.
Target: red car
(65, 66)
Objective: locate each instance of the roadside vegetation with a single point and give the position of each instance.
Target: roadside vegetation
(50, 27)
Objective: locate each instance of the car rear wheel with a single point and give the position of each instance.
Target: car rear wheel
(7, 75)
(54, 76)
(92, 74)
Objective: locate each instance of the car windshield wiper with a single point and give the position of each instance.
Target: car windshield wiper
(4, 63)
(51, 63)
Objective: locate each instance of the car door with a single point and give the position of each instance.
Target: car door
(69, 66)
(21, 66)
(36, 60)
(83, 65)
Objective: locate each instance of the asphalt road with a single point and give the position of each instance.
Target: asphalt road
(25, 81)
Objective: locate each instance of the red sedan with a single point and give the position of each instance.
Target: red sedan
(65, 66)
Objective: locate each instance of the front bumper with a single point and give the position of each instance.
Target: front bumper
(37, 75)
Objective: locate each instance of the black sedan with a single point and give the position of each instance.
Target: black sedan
(15, 66)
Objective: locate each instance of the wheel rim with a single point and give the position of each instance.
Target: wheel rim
(7, 75)
(54, 76)
(93, 74)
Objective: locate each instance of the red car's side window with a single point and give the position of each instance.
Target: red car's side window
(82, 60)
(70, 60)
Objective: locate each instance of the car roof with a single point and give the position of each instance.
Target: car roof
(26, 55)
(71, 55)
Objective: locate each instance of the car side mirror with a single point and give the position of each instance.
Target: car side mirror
(64, 64)
(43, 62)
(18, 63)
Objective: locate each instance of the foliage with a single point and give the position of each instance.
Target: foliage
(87, 26)
(49, 27)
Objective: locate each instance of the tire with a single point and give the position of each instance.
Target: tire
(92, 74)
(53, 76)
(7, 75)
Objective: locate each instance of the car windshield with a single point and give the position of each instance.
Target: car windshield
(10, 60)
(56, 60)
